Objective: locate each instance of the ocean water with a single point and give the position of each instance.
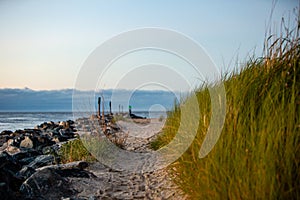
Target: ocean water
(21, 120)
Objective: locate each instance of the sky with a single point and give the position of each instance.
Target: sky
(44, 44)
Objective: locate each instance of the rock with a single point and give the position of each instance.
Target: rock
(56, 139)
(9, 182)
(66, 132)
(6, 132)
(67, 125)
(12, 150)
(8, 162)
(51, 123)
(51, 149)
(21, 160)
(43, 126)
(24, 153)
(11, 142)
(41, 161)
(47, 150)
(75, 173)
(72, 165)
(27, 160)
(52, 132)
(71, 122)
(42, 141)
(30, 131)
(45, 184)
(36, 162)
(62, 132)
(3, 139)
(3, 147)
(18, 132)
(25, 172)
(17, 140)
(62, 123)
(27, 143)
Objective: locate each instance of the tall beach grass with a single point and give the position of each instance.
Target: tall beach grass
(258, 153)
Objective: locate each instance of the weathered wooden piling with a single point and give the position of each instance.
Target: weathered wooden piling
(110, 108)
(103, 117)
(99, 107)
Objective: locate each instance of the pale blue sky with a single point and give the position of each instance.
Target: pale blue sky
(44, 43)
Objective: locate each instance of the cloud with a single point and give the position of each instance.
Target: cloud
(27, 100)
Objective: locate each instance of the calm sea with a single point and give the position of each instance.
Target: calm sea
(21, 120)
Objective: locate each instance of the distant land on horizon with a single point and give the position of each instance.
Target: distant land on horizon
(28, 100)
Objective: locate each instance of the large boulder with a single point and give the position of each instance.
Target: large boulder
(9, 182)
(51, 181)
(38, 162)
(45, 184)
(41, 161)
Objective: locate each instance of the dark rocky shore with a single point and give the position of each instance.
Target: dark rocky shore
(29, 161)
(30, 168)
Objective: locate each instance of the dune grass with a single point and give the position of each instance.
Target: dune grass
(258, 153)
(75, 151)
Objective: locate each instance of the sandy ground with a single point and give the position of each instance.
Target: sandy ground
(143, 128)
(107, 183)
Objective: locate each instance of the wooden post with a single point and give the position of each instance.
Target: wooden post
(99, 107)
(110, 108)
(103, 117)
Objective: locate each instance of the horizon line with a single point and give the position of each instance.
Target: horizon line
(88, 90)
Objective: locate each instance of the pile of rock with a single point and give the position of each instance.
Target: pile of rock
(29, 158)
(41, 136)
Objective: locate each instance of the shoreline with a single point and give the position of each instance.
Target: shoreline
(20, 120)
(36, 166)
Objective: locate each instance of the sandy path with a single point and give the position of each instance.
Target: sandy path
(140, 135)
(110, 184)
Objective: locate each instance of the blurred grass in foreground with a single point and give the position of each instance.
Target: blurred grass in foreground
(258, 153)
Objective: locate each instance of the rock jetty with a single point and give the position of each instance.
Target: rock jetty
(30, 164)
